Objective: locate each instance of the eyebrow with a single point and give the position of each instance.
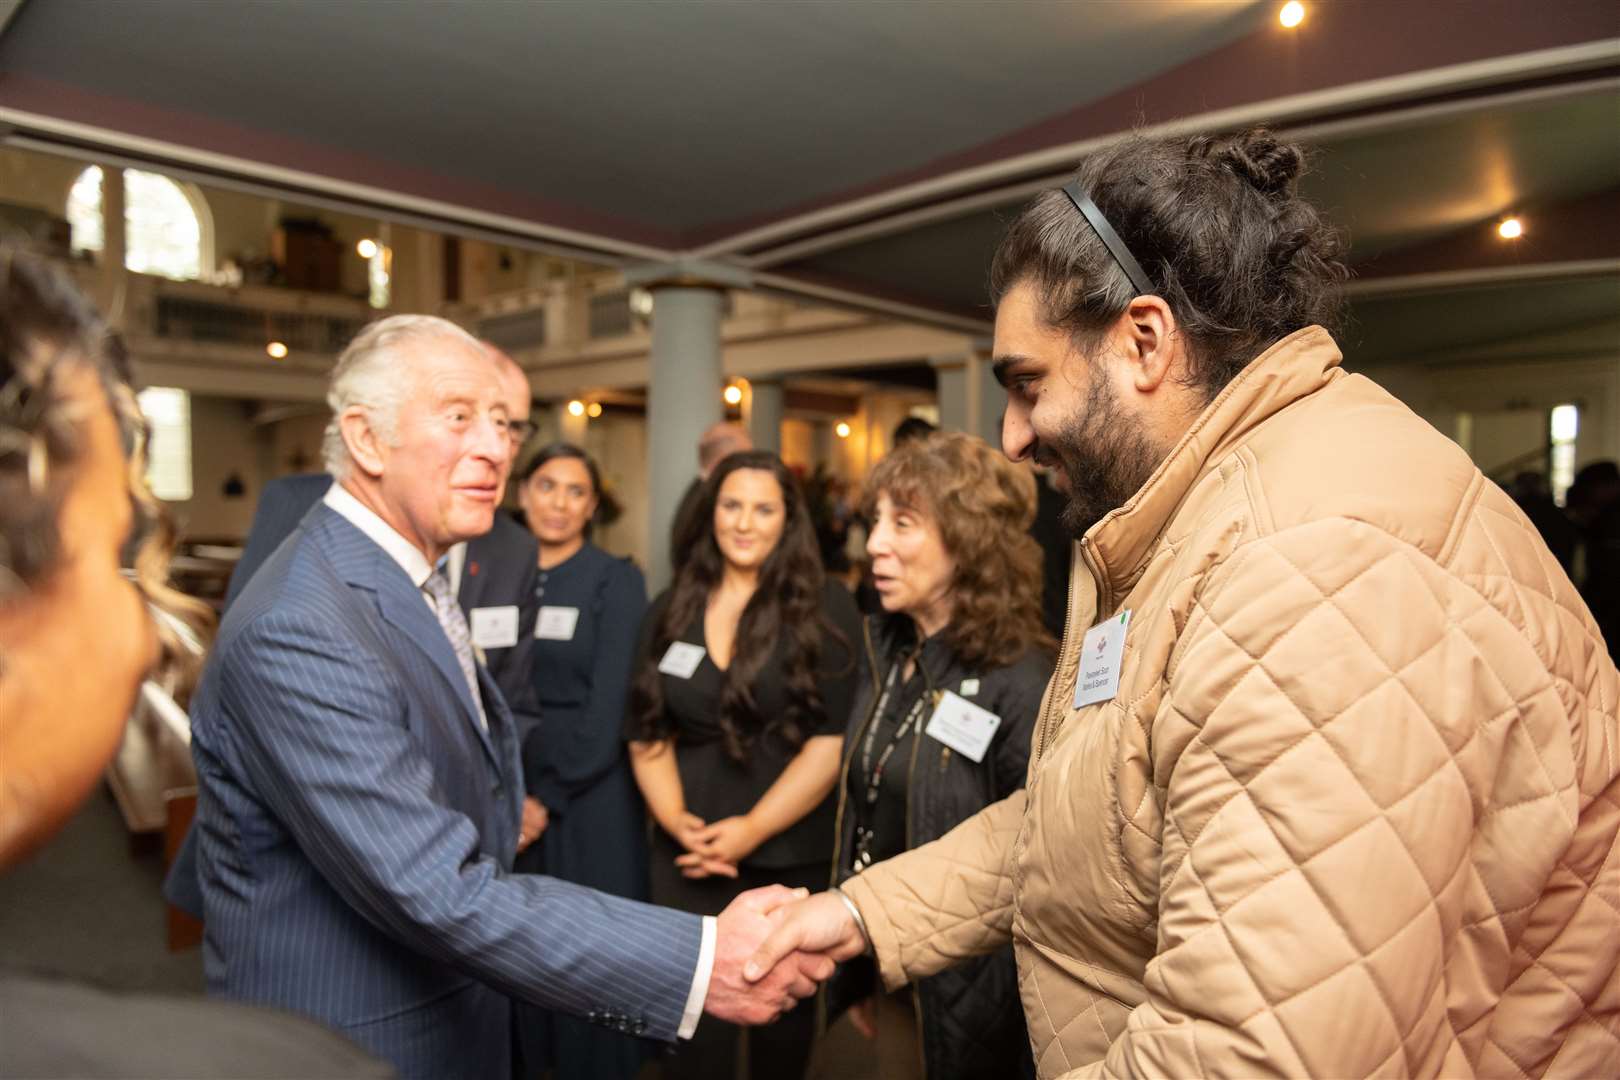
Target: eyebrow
(1002, 367)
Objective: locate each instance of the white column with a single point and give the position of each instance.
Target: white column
(683, 390)
(952, 391)
(113, 241)
(765, 404)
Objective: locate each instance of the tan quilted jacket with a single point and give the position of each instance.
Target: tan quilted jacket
(1354, 809)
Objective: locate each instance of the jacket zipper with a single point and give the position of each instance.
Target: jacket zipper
(1055, 704)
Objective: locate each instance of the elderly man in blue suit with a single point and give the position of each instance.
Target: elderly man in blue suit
(358, 771)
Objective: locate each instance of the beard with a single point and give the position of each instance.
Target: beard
(1105, 456)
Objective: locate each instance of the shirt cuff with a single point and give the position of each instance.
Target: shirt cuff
(700, 981)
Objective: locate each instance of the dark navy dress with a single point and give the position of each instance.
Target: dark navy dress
(575, 763)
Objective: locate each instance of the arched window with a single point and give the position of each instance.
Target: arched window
(166, 226)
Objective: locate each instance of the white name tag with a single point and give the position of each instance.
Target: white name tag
(495, 627)
(682, 659)
(556, 623)
(963, 726)
(1101, 655)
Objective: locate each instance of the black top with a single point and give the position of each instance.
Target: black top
(718, 787)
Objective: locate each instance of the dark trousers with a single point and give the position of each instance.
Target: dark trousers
(779, 1051)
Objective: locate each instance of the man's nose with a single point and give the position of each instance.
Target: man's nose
(1017, 433)
(493, 442)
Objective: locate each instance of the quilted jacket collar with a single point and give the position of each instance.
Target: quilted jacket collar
(1294, 368)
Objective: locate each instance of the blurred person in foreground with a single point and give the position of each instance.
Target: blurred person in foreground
(590, 608)
(1327, 781)
(360, 786)
(952, 674)
(76, 641)
(741, 685)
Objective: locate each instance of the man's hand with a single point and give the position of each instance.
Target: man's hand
(820, 924)
(532, 824)
(739, 932)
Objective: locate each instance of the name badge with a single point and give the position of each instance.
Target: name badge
(495, 627)
(556, 623)
(963, 726)
(682, 659)
(1101, 656)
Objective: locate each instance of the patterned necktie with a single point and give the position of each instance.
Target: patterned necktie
(455, 628)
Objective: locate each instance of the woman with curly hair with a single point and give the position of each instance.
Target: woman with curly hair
(951, 681)
(743, 677)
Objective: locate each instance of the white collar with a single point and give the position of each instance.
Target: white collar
(362, 517)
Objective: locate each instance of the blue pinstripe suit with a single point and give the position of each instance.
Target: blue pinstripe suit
(357, 827)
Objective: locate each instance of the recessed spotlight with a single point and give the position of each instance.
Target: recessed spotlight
(842, 429)
(367, 248)
(733, 394)
(1292, 14)
(576, 408)
(1510, 229)
(593, 410)
(277, 350)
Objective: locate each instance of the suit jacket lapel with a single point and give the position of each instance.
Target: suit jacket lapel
(361, 562)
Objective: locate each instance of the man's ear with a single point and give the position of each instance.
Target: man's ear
(360, 437)
(1150, 342)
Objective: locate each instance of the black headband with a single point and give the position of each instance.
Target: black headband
(1105, 232)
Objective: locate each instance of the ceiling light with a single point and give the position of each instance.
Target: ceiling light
(593, 410)
(367, 248)
(842, 429)
(576, 408)
(1292, 14)
(733, 394)
(277, 350)
(1510, 229)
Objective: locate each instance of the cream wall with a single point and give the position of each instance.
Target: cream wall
(1508, 401)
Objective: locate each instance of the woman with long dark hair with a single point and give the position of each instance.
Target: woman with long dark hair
(743, 679)
(574, 763)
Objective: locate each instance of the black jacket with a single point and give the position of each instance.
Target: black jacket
(971, 1017)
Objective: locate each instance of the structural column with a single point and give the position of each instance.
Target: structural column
(970, 399)
(765, 407)
(113, 239)
(683, 392)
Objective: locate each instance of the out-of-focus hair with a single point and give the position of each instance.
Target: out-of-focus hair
(368, 374)
(47, 327)
(983, 505)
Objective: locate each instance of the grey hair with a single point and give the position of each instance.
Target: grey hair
(368, 375)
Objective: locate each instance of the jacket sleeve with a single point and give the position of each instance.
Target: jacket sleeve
(1317, 821)
(595, 747)
(945, 901)
(320, 731)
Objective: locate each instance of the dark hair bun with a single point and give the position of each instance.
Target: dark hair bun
(1262, 159)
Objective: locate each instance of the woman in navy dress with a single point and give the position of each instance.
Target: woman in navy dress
(574, 763)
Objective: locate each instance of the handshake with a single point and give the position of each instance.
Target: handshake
(774, 946)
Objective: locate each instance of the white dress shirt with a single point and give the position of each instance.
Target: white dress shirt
(418, 569)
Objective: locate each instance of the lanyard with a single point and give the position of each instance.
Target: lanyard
(864, 832)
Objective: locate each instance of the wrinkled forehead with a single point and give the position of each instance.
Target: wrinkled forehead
(442, 369)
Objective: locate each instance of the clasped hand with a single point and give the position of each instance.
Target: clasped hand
(773, 947)
(714, 850)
